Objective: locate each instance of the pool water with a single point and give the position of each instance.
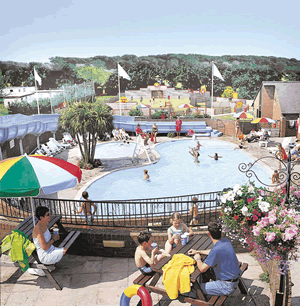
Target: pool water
(114, 150)
(176, 173)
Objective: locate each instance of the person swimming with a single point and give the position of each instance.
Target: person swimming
(216, 156)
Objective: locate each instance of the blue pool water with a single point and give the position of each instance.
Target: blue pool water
(176, 173)
(114, 150)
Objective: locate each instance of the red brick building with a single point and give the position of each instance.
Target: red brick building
(279, 101)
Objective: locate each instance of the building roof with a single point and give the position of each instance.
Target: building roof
(288, 95)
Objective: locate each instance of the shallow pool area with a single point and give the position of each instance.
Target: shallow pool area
(176, 173)
(115, 150)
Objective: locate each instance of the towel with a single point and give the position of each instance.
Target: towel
(177, 275)
(18, 247)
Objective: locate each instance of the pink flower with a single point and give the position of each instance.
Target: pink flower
(289, 233)
(255, 218)
(264, 221)
(272, 219)
(250, 200)
(256, 231)
(270, 236)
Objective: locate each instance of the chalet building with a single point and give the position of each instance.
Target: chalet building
(279, 101)
(26, 94)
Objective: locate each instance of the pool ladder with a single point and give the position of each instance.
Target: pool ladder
(140, 148)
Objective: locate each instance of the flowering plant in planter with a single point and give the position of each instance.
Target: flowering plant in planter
(243, 205)
(262, 221)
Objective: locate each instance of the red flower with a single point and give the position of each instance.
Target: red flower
(221, 214)
(236, 217)
(255, 218)
(250, 200)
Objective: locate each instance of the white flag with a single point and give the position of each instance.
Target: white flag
(217, 73)
(123, 73)
(37, 77)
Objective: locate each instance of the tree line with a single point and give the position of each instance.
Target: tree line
(244, 73)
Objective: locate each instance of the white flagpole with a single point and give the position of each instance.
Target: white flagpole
(212, 89)
(37, 98)
(119, 91)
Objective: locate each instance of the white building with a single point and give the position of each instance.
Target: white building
(27, 94)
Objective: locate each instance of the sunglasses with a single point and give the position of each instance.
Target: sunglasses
(47, 214)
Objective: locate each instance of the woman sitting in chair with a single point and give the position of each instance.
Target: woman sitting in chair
(48, 254)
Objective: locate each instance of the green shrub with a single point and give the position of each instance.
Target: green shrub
(157, 114)
(171, 134)
(206, 116)
(136, 112)
(198, 116)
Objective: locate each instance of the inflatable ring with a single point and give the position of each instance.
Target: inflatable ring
(139, 290)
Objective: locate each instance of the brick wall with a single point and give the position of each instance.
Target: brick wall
(267, 101)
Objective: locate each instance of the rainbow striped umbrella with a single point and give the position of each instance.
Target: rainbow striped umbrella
(30, 175)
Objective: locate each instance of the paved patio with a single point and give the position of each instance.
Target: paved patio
(88, 280)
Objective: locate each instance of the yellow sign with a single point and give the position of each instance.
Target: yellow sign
(156, 84)
(239, 104)
(235, 95)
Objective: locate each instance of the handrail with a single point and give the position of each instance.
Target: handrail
(137, 213)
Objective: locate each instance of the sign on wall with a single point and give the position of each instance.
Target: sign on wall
(12, 143)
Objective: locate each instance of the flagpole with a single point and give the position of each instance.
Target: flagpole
(37, 97)
(119, 90)
(212, 89)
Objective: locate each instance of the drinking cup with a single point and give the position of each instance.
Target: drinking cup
(55, 231)
(154, 245)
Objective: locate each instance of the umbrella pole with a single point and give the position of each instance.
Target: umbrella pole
(33, 217)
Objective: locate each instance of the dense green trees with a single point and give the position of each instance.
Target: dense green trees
(243, 73)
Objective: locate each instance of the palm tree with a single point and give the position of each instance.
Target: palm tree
(88, 120)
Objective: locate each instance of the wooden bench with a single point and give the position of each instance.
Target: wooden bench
(203, 243)
(65, 241)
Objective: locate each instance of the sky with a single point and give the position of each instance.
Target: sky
(35, 30)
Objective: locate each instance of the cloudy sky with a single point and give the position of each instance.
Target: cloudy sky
(37, 30)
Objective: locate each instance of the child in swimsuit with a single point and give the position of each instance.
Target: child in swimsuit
(142, 260)
(178, 228)
(216, 156)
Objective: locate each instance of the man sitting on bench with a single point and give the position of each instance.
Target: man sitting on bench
(47, 253)
(222, 259)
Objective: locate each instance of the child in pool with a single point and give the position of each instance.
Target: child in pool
(147, 176)
(194, 152)
(216, 156)
(178, 228)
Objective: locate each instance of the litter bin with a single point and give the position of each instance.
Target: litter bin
(162, 116)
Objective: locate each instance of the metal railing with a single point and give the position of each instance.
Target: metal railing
(136, 213)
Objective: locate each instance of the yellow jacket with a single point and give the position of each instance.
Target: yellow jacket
(177, 275)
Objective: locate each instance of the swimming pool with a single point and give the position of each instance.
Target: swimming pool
(115, 150)
(176, 173)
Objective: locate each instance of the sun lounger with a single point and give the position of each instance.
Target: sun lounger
(54, 148)
(48, 151)
(58, 144)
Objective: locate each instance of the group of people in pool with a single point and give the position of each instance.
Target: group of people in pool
(195, 153)
(224, 263)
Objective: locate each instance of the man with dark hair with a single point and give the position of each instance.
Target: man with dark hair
(222, 259)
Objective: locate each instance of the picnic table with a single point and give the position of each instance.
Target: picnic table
(197, 242)
(65, 241)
